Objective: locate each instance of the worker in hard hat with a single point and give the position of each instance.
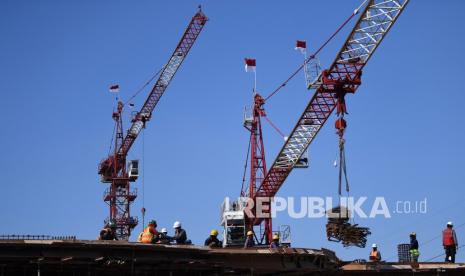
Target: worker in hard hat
(150, 233)
(180, 235)
(249, 241)
(163, 237)
(450, 243)
(414, 253)
(212, 240)
(375, 255)
(275, 242)
(108, 233)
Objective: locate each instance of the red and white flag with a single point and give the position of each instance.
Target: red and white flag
(114, 88)
(301, 45)
(250, 64)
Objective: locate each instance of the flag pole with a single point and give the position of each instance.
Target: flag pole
(255, 81)
(250, 65)
(307, 79)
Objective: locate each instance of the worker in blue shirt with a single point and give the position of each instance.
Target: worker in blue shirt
(275, 242)
(249, 241)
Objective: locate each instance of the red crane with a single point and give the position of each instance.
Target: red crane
(343, 76)
(113, 170)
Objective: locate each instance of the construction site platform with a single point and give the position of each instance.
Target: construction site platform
(392, 268)
(84, 257)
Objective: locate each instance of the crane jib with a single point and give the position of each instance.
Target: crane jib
(372, 26)
(167, 74)
(169, 70)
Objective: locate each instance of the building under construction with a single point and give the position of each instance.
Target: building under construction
(79, 257)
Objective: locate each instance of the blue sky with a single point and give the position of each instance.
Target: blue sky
(404, 142)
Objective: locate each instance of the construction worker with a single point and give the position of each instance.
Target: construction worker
(108, 233)
(275, 242)
(375, 255)
(180, 235)
(249, 241)
(212, 240)
(150, 234)
(163, 237)
(450, 243)
(414, 253)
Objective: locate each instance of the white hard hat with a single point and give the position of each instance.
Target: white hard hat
(450, 223)
(163, 230)
(374, 245)
(177, 224)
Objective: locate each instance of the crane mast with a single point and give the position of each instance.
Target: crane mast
(257, 160)
(113, 170)
(344, 74)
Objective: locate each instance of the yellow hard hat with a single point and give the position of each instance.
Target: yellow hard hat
(250, 233)
(275, 237)
(214, 233)
(413, 234)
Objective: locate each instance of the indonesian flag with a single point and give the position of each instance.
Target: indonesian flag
(250, 64)
(114, 88)
(301, 45)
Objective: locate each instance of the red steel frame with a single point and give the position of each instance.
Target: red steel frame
(119, 195)
(113, 169)
(370, 29)
(257, 163)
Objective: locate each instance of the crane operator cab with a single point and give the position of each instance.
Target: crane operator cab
(233, 221)
(133, 170)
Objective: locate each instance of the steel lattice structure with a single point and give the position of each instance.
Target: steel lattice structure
(257, 158)
(188, 39)
(113, 169)
(374, 23)
(178, 56)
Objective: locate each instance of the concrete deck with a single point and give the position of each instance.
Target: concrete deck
(403, 269)
(81, 257)
(54, 257)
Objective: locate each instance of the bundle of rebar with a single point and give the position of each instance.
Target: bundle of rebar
(339, 229)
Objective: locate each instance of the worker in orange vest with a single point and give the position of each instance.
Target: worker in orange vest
(375, 255)
(150, 234)
(449, 241)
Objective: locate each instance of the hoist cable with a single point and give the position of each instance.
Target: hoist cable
(145, 85)
(315, 53)
(245, 167)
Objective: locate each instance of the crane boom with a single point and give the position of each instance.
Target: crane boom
(169, 70)
(167, 74)
(370, 29)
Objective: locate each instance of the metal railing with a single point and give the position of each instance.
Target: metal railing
(37, 237)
